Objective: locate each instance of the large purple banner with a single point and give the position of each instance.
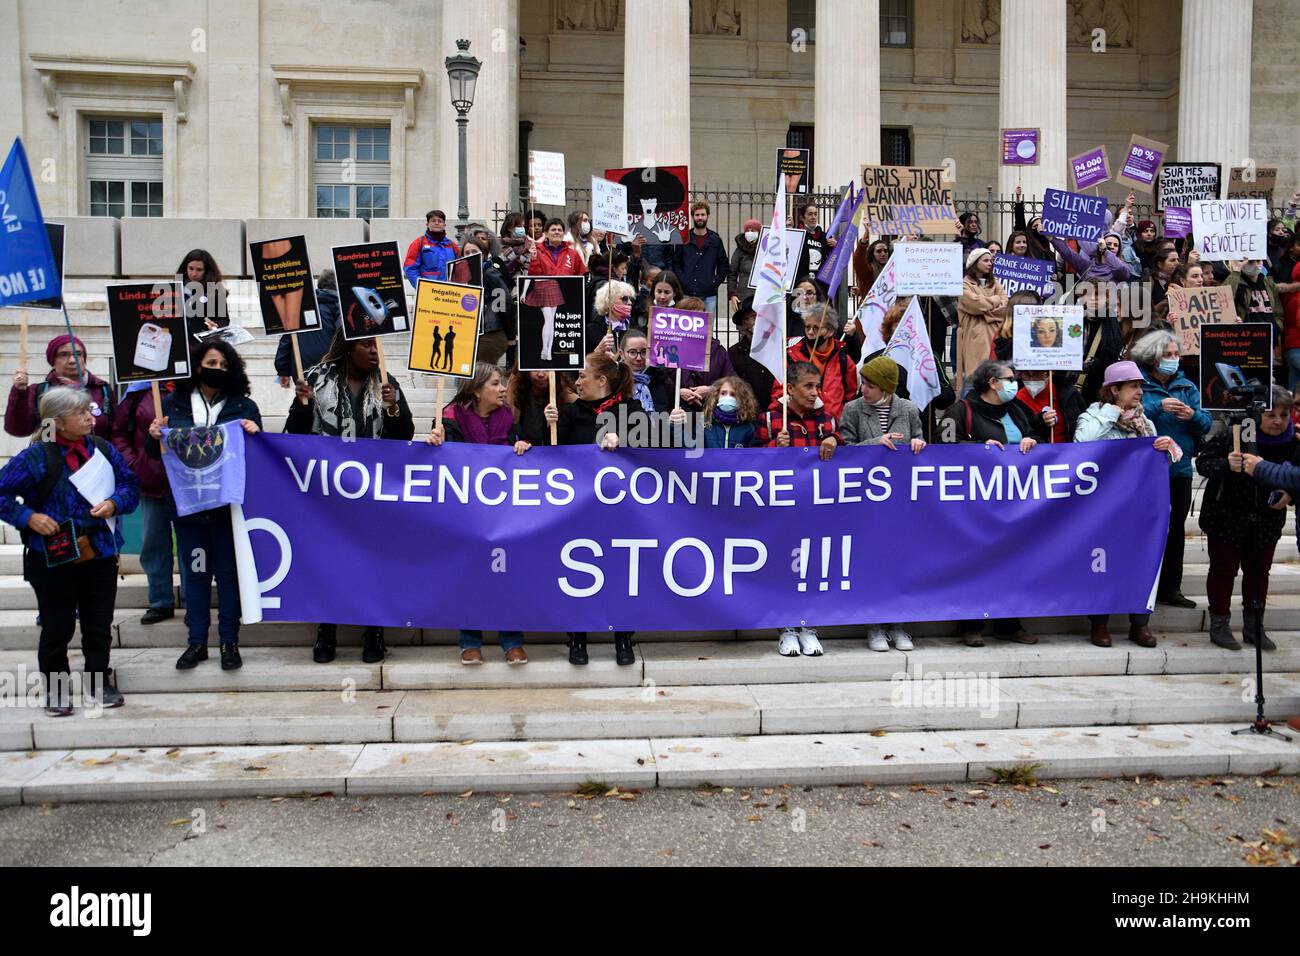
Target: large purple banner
(398, 534)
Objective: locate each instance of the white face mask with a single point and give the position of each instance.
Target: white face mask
(751, 236)
(1035, 388)
(586, 228)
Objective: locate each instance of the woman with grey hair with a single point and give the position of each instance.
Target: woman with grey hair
(70, 544)
(1173, 404)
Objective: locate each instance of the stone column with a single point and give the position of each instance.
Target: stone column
(1031, 93)
(847, 91)
(492, 27)
(234, 124)
(1214, 83)
(657, 83)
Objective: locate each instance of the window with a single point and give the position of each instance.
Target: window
(124, 166)
(351, 171)
(801, 20)
(895, 146)
(895, 21)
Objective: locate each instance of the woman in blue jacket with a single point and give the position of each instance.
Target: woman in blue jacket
(1173, 404)
(216, 393)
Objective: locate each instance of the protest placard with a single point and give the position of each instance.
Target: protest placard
(286, 290)
(928, 268)
(444, 330)
(1020, 147)
(906, 201)
(1073, 215)
(1230, 229)
(149, 330)
(1247, 182)
(1017, 273)
(793, 251)
(1189, 309)
(467, 270)
(546, 178)
(608, 206)
(372, 290)
(679, 338)
(1181, 184)
(1047, 337)
(1141, 163)
(1236, 365)
(552, 323)
(1089, 169)
(793, 165)
(658, 202)
(1178, 222)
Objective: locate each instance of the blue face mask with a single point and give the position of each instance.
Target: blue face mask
(1007, 391)
(727, 403)
(519, 231)
(1168, 366)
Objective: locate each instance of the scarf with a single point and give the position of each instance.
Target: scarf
(75, 453)
(1133, 420)
(641, 391)
(618, 316)
(823, 353)
(725, 418)
(1282, 439)
(605, 403)
(495, 430)
(333, 406)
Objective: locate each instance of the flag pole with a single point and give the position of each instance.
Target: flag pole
(76, 357)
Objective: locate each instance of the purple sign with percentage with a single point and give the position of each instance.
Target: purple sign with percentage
(1141, 163)
(1020, 147)
(679, 339)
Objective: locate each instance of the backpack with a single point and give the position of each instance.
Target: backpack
(54, 468)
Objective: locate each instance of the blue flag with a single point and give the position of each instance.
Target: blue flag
(27, 269)
(205, 466)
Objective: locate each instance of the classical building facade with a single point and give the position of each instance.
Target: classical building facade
(280, 109)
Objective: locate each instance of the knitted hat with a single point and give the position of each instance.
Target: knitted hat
(975, 256)
(882, 371)
(1121, 372)
(58, 342)
(1145, 224)
(752, 224)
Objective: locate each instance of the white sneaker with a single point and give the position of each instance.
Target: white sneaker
(808, 643)
(901, 640)
(787, 644)
(877, 640)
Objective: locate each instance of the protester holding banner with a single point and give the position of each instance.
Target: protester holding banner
(64, 355)
(529, 394)
(756, 375)
(697, 383)
(313, 343)
(980, 312)
(1101, 265)
(742, 261)
(217, 392)
(205, 295)
(1173, 404)
(131, 422)
(70, 543)
(1053, 411)
(701, 261)
(869, 260)
(819, 347)
(428, 255)
(1117, 245)
(730, 414)
(1243, 520)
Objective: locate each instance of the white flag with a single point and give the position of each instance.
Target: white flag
(768, 344)
(910, 348)
(879, 300)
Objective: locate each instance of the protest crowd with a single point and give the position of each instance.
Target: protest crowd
(840, 382)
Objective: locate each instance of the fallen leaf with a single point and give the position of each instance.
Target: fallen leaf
(467, 793)
(878, 733)
(753, 818)
(179, 822)
(1044, 846)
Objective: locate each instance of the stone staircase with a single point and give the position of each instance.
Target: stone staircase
(716, 707)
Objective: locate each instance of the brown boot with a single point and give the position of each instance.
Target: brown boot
(1141, 635)
(1101, 635)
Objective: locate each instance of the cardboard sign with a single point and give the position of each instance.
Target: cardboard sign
(1236, 366)
(552, 323)
(1073, 215)
(658, 202)
(793, 165)
(1178, 222)
(1141, 163)
(1243, 184)
(1182, 184)
(1189, 309)
(608, 206)
(679, 338)
(1047, 337)
(150, 331)
(444, 332)
(928, 268)
(1231, 229)
(907, 201)
(286, 290)
(546, 178)
(1020, 147)
(1090, 169)
(1020, 273)
(55, 232)
(372, 289)
(467, 270)
(794, 239)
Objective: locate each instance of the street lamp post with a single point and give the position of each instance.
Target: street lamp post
(462, 72)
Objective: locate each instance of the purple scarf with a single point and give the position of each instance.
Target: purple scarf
(495, 431)
(1281, 439)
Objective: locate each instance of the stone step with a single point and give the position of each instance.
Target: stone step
(132, 592)
(347, 715)
(969, 756)
(11, 561)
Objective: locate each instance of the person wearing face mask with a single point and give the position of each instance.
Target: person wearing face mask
(756, 375)
(1255, 295)
(578, 235)
(701, 261)
(428, 255)
(215, 394)
(980, 312)
(514, 256)
(1053, 412)
(730, 414)
(611, 312)
(1173, 403)
(66, 356)
(742, 262)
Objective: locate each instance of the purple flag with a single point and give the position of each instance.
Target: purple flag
(205, 466)
(837, 263)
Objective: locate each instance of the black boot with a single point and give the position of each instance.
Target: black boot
(623, 648)
(373, 650)
(192, 655)
(104, 689)
(230, 659)
(1252, 628)
(326, 641)
(577, 648)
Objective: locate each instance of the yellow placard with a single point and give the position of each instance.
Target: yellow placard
(444, 334)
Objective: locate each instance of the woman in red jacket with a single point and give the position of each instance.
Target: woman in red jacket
(821, 347)
(552, 257)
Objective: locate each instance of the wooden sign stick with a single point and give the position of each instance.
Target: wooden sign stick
(157, 409)
(554, 436)
(297, 360)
